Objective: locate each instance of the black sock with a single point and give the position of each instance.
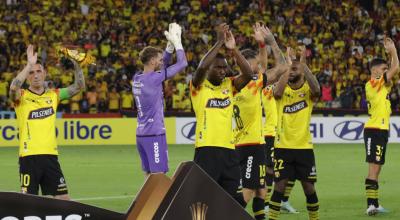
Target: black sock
(258, 208)
(269, 180)
(371, 188)
(239, 198)
(288, 190)
(312, 206)
(275, 205)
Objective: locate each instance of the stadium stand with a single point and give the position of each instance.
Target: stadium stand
(341, 37)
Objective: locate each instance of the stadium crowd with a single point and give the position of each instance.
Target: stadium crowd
(340, 36)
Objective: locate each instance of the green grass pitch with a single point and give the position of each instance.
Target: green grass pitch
(109, 177)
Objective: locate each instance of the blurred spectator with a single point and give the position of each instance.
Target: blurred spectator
(341, 38)
(113, 100)
(3, 93)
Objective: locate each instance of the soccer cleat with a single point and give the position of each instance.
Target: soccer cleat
(371, 210)
(286, 207)
(266, 210)
(380, 209)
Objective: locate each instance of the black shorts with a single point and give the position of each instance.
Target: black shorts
(222, 165)
(43, 171)
(252, 166)
(269, 150)
(375, 145)
(297, 163)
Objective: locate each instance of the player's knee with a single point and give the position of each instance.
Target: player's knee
(261, 193)
(280, 185)
(62, 197)
(308, 187)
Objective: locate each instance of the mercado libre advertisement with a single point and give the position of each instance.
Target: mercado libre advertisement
(121, 131)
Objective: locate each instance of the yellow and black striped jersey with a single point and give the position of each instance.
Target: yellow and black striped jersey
(36, 115)
(379, 108)
(270, 111)
(213, 108)
(247, 112)
(294, 115)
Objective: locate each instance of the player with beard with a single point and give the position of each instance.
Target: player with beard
(293, 153)
(211, 94)
(247, 111)
(376, 129)
(149, 99)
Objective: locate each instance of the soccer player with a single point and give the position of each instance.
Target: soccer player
(35, 108)
(376, 129)
(212, 95)
(293, 153)
(269, 131)
(148, 93)
(247, 111)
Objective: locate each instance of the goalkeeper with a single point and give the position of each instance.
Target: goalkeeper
(148, 92)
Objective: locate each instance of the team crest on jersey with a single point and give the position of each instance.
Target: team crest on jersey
(225, 91)
(277, 174)
(293, 108)
(218, 103)
(301, 95)
(41, 113)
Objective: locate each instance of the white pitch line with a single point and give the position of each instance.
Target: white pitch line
(103, 198)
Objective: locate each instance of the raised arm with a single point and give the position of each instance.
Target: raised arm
(259, 37)
(174, 37)
(280, 61)
(208, 59)
(283, 80)
(245, 68)
(19, 80)
(311, 79)
(169, 50)
(79, 81)
(394, 60)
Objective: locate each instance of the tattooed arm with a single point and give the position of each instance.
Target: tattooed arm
(310, 78)
(19, 80)
(79, 81)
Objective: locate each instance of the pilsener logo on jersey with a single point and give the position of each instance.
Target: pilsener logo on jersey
(218, 103)
(41, 113)
(293, 108)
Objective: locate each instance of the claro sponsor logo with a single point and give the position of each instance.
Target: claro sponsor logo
(295, 107)
(41, 113)
(218, 103)
(189, 130)
(349, 130)
(52, 217)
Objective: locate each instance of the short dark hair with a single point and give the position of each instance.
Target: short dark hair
(249, 54)
(376, 61)
(148, 53)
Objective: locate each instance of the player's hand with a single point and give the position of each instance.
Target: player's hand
(230, 42)
(31, 55)
(303, 54)
(170, 46)
(268, 36)
(174, 35)
(389, 45)
(258, 34)
(290, 55)
(222, 30)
